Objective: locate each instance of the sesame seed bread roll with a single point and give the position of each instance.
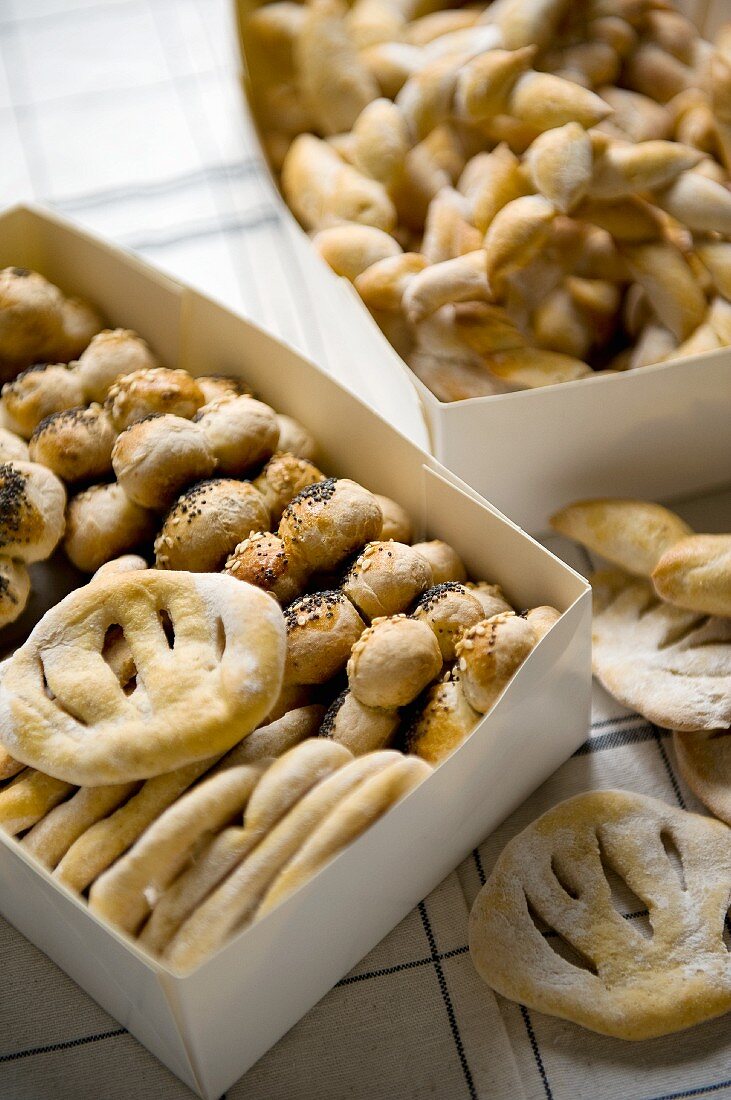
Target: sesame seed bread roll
(448, 610)
(445, 721)
(38, 392)
(359, 728)
(14, 592)
(12, 447)
(155, 390)
(32, 504)
(396, 521)
(264, 560)
(207, 522)
(695, 574)
(241, 431)
(489, 655)
(327, 522)
(283, 477)
(111, 354)
(446, 564)
(102, 523)
(295, 439)
(393, 661)
(76, 443)
(386, 578)
(633, 534)
(154, 459)
(322, 629)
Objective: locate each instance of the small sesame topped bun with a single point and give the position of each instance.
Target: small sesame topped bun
(155, 390)
(386, 578)
(322, 629)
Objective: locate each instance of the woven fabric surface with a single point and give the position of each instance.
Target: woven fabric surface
(126, 115)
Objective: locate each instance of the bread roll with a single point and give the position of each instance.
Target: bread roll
(542, 619)
(218, 385)
(79, 323)
(393, 661)
(295, 439)
(263, 560)
(696, 574)
(490, 654)
(32, 503)
(448, 610)
(206, 524)
(102, 523)
(155, 390)
(443, 724)
(38, 392)
(322, 629)
(242, 432)
(491, 597)
(111, 354)
(396, 521)
(386, 578)
(127, 563)
(30, 319)
(14, 592)
(327, 522)
(283, 477)
(446, 564)
(12, 447)
(76, 443)
(154, 459)
(359, 728)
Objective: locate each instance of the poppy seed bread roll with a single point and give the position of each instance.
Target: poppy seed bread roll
(154, 459)
(154, 390)
(38, 392)
(386, 578)
(206, 524)
(284, 476)
(322, 629)
(241, 431)
(32, 505)
(30, 318)
(111, 354)
(14, 592)
(102, 523)
(358, 727)
(448, 609)
(263, 560)
(76, 443)
(446, 564)
(393, 661)
(328, 521)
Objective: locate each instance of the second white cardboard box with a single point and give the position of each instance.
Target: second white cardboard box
(659, 432)
(211, 1025)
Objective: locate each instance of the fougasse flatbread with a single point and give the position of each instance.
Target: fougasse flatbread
(671, 665)
(704, 760)
(545, 930)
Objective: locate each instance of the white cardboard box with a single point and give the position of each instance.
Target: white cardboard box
(209, 1026)
(657, 432)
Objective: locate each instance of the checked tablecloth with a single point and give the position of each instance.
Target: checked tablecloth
(126, 115)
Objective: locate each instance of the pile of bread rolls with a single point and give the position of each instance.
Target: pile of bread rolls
(523, 193)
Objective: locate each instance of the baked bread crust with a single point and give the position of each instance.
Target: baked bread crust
(695, 574)
(64, 711)
(156, 458)
(704, 761)
(672, 666)
(622, 984)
